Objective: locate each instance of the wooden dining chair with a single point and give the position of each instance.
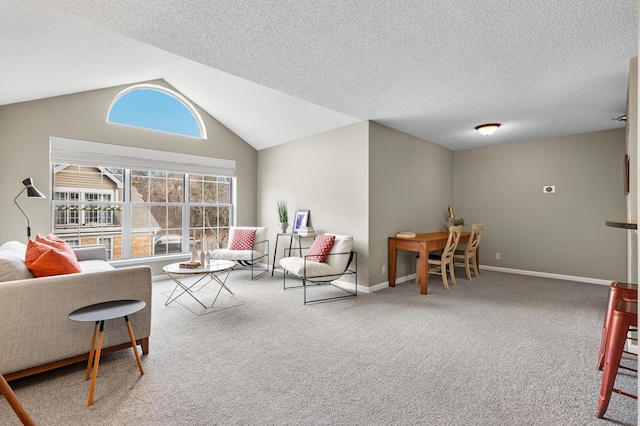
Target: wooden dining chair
(469, 253)
(446, 258)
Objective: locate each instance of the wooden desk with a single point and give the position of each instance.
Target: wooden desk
(423, 244)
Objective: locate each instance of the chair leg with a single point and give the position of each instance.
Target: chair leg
(615, 345)
(466, 268)
(418, 270)
(452, 272)
(475, 266)
(443, 272)
(14, 402)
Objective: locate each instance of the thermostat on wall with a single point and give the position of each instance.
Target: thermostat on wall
(549, 189)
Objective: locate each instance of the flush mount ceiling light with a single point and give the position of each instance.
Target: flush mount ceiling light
(487, 129)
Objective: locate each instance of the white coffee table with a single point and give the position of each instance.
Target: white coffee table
(216, 270)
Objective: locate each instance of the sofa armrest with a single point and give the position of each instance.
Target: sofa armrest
(90, 252)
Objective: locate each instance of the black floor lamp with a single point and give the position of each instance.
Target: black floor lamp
(32, 192)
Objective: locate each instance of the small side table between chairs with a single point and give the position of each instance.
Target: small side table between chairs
(99, 313)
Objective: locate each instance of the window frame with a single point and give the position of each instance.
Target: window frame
(126, 228)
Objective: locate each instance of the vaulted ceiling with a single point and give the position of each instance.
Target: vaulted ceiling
(277, 71)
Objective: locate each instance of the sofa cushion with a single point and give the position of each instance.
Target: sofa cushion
(320, 248)
(243, 239)
(12, 265)
(95, 266)
(44, 260)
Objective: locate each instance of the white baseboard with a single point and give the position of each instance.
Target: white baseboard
(411, 277)
(385, 284)
(547, 275)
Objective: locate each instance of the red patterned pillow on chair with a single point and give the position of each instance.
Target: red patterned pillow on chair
(243, 239)
(320, 248)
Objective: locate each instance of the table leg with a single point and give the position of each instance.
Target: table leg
(392, 262)
(95, 364)
(275, 253)
(222, 284)
(91, 353)
(14, 402)
(424, 268)
(185, 289)
(133, 344)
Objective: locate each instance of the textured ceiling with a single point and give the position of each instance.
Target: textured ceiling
(276, 71)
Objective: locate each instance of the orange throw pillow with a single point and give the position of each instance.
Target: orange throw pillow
(44, 260)
(55, 242)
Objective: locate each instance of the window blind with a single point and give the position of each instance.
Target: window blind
(74, 151)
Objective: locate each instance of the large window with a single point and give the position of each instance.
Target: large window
(139, 213)
(138, 202)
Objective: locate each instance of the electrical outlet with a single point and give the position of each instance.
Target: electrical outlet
(384, 269)
(497, 256)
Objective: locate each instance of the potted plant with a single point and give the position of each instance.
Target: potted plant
(283, 216)
(457, 221)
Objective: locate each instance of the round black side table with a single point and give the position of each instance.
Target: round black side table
(99, 313)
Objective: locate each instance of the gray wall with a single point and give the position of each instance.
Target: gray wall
(562, 233)
(25, 129)
(326, 174)
(369, 181)
(365, 180)
(410, 187)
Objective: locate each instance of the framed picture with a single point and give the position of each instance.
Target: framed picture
(625, 171)
(301, 219)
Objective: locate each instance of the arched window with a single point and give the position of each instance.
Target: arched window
(157, 108)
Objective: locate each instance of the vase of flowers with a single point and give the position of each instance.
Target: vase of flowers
(283, 216)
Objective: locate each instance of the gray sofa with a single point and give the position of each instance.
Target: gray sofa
(35, 331)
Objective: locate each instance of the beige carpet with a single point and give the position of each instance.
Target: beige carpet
(501, 350)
